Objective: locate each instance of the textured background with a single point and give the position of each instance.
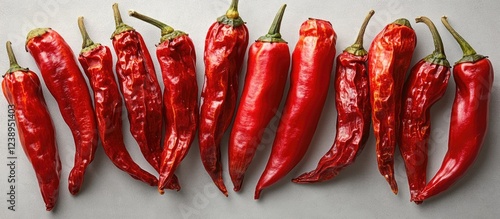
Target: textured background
(358, 192)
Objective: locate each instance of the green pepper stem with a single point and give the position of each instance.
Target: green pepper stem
(438, 56)
(274, 35)
(466, 47)
(12, 59)
(357, 48)
(232, 12)
(117, 15)
(165, 29)
(85, 35)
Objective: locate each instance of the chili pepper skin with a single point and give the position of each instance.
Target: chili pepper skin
(141, 91)
(389, 59)
(177, 58)
(225, 46)
(353, 112)
(312, 63)
(267, 71)
(21, 87)
(97, 64)
(66, 83)
(473, 75)
(425, 86)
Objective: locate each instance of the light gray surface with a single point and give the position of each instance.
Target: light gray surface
(358, 192)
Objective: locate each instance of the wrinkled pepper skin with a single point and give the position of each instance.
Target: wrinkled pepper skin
(140, 89)
(473, 76)
(312, 64)
(389, 59)
(225, 46)
(267, 72)
(97, 64)
(425, 86)
(177, 58)
(21, 87)
(352, 101)
(66, 83)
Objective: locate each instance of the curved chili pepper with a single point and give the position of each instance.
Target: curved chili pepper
(22, 89)
(66, 83)
(312, 63)
(267, 71)
(97, 64)
(473, 76)
(425, 86)
(177, 58)
(225, 46)
(389, 58)
(353, 112)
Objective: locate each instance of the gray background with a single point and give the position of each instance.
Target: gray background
(358, 192)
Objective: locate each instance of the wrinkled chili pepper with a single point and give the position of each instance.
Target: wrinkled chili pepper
(177, 58)
(425, 86)
(473, 75)
(97, 64)
(267, 71)
(312, 63)
(389, 58)
(353, 112)
(141, 91)
(66, 83)
(225, 46)
(22, 89)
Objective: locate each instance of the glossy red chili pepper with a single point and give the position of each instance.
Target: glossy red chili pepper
(425, 86)
(267, 71)
(225, 46)
(353, 112)
(473, 76)
(22, 89)
(66, 83)
(177, 59)
(141, 91)
(97, 64)
(389, 58)
(312, 63)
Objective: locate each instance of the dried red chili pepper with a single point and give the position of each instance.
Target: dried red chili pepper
(312, 63)
(267, 71)
(389, 58)
(177, 58)
(473, 76)
(97, 64)
(66, 83)
(353, 112)
(425, 86)
(225, 46)
(22, 89)
(141, 91)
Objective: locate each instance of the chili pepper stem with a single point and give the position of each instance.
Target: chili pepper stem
(274, 35)
(469, 54)
(167, 32)
(357, 48)
(120, 26)
(87, 44)
(402, 21)
(438, 56)
(232, 16)
(12, 60)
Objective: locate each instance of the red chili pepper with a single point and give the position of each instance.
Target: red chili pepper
(312, 63)
(267, 71)
(389, 58)
(425, 86)
(97, 64)
(473, 76)
(353, 112)
(22, 89)
(66, 83)
(141, 91)
(177, 58)
(225, 46)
